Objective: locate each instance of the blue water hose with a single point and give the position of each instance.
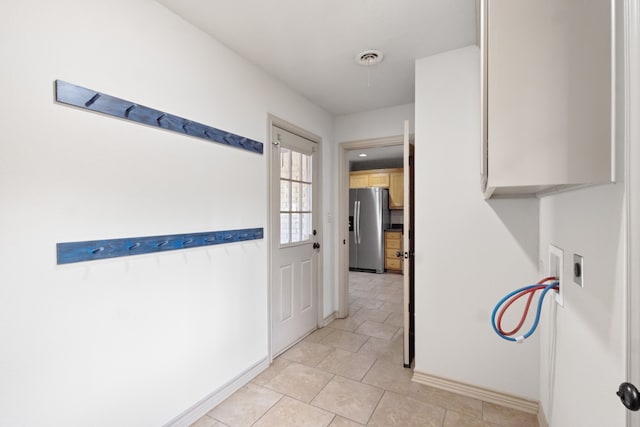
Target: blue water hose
(520, 339)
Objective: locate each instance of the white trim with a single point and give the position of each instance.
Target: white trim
(614, 84)
(542, 418)
(343, 212)
(201, 408)
(343, 233)
(330, 318)
(558, 272)
(477, 392)
(632, 186)
(408, 265)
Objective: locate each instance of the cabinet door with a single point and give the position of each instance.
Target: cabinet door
(379, 180)
(358, 181)
(396, 190)
(547, 93)
(393, 264)
(393, 244)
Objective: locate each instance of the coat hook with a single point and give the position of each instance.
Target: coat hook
(128, 110)
(135, 245)
(159, 119)
(97, 250)
(161, 244)
(93, 99)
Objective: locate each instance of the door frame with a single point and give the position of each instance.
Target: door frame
(632, 187)
(273, 120)
(408, 243)
(343, 211)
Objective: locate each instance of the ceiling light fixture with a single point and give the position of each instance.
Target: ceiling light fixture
(363, 155)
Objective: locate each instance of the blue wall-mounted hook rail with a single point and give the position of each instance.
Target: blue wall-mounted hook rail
(102, 249)
(89, 99)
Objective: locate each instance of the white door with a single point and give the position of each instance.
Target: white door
(408, 244)
(294, 263)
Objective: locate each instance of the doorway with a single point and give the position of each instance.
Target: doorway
(295, 262)
(346, 149)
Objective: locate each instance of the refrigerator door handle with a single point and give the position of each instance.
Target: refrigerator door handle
(355, 222)
(358, 223)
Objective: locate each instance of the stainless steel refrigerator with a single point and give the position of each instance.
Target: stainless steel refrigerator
(368, 218)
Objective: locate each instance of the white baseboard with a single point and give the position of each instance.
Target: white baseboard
(330, 318)
(542, 418)
(480, 393)
(201, 408)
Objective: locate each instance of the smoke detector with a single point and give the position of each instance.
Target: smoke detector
(369, 57)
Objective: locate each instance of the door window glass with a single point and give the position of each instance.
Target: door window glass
(295, 196)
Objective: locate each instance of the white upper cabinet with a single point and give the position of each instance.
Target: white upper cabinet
(547, 88)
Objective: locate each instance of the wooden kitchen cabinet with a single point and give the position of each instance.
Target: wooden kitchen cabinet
(392, 244)
(381, 178)
(547, 95)
(358, 180)
(396, 190)
(369, 178)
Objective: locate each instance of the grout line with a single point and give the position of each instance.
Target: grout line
(369, 370)
(313, 405)
(282, 395)
(444, 417)
(320, 391)
(376, 407)
(385, 319)
(364, 342)
(214, 419)
(325, 358)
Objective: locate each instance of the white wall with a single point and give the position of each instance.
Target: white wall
(373, 124)
(583, 344)
(584, 341)
(469, 252)
(129, 341)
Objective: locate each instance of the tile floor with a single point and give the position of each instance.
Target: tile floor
(350, 374)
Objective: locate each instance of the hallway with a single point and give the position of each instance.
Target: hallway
(350, 373)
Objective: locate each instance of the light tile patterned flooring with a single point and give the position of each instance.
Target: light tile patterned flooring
(350, 374)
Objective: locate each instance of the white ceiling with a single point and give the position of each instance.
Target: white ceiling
(310, 45)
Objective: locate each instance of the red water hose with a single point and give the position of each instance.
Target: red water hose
(513, 299)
